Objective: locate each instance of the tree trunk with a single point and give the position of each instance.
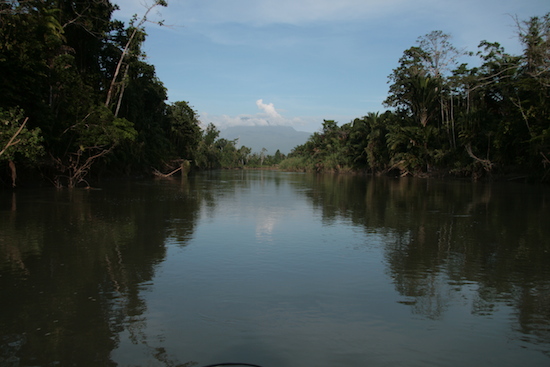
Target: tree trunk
(13, 172)
(125, 52)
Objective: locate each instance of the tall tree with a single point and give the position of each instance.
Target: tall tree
(135, 33)
(533, 96)
(438, 55)
(183, 129)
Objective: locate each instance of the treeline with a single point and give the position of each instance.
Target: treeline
(449, 118)
(214, 152)
(78, 99)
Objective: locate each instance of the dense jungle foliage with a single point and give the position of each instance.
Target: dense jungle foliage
(79, 101)
(449, 118)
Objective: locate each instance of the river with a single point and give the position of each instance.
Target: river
(276, 269)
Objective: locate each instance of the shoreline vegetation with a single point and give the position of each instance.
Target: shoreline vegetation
(80, 103)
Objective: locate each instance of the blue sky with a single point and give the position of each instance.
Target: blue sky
(297, 62)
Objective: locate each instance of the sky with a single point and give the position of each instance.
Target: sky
(299, 62)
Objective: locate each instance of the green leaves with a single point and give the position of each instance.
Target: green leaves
(15, 137)
(101, 129)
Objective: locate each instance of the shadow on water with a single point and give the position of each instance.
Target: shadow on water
(487, 244)
(73, 264)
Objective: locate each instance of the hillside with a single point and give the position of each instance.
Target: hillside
(283, 138)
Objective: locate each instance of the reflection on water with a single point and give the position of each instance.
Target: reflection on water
(278, 269)
(73, 264)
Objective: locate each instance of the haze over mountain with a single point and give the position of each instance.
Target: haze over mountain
(283, 138)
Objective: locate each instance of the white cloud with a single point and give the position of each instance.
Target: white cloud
(269, 109)
(267, 117)
(299, 52)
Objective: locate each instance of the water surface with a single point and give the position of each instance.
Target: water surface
(277, 269)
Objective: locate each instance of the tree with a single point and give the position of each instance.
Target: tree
(144, 104)
(16, 140)
(92, 138)
(229, 156)
(534, 34)
(134, 31)
(244, 155)
(466, 120)
(208, 156)
(277, 157)
(410, 66)
(183, 129)
(422, 98)
(81, 78)
(414, 90)
(532, 98)
(438, 55)
(367, 142)
(262, 156)
(30, 38)
(421, 92)
(414, 96)
(485, 131)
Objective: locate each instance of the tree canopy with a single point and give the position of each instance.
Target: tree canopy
(450, 118)
(79, 97)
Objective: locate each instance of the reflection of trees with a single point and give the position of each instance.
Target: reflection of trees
(485, 243)
(73, 262)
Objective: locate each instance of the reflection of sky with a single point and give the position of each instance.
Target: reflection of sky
(261, 267)
(265, 225)
(268, 207)
(264, 278)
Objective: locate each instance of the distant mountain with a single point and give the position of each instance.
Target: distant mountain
(283, 138)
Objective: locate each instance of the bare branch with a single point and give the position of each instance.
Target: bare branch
(12, 141)
(523, 115)
(487, 164)
(127, 47)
